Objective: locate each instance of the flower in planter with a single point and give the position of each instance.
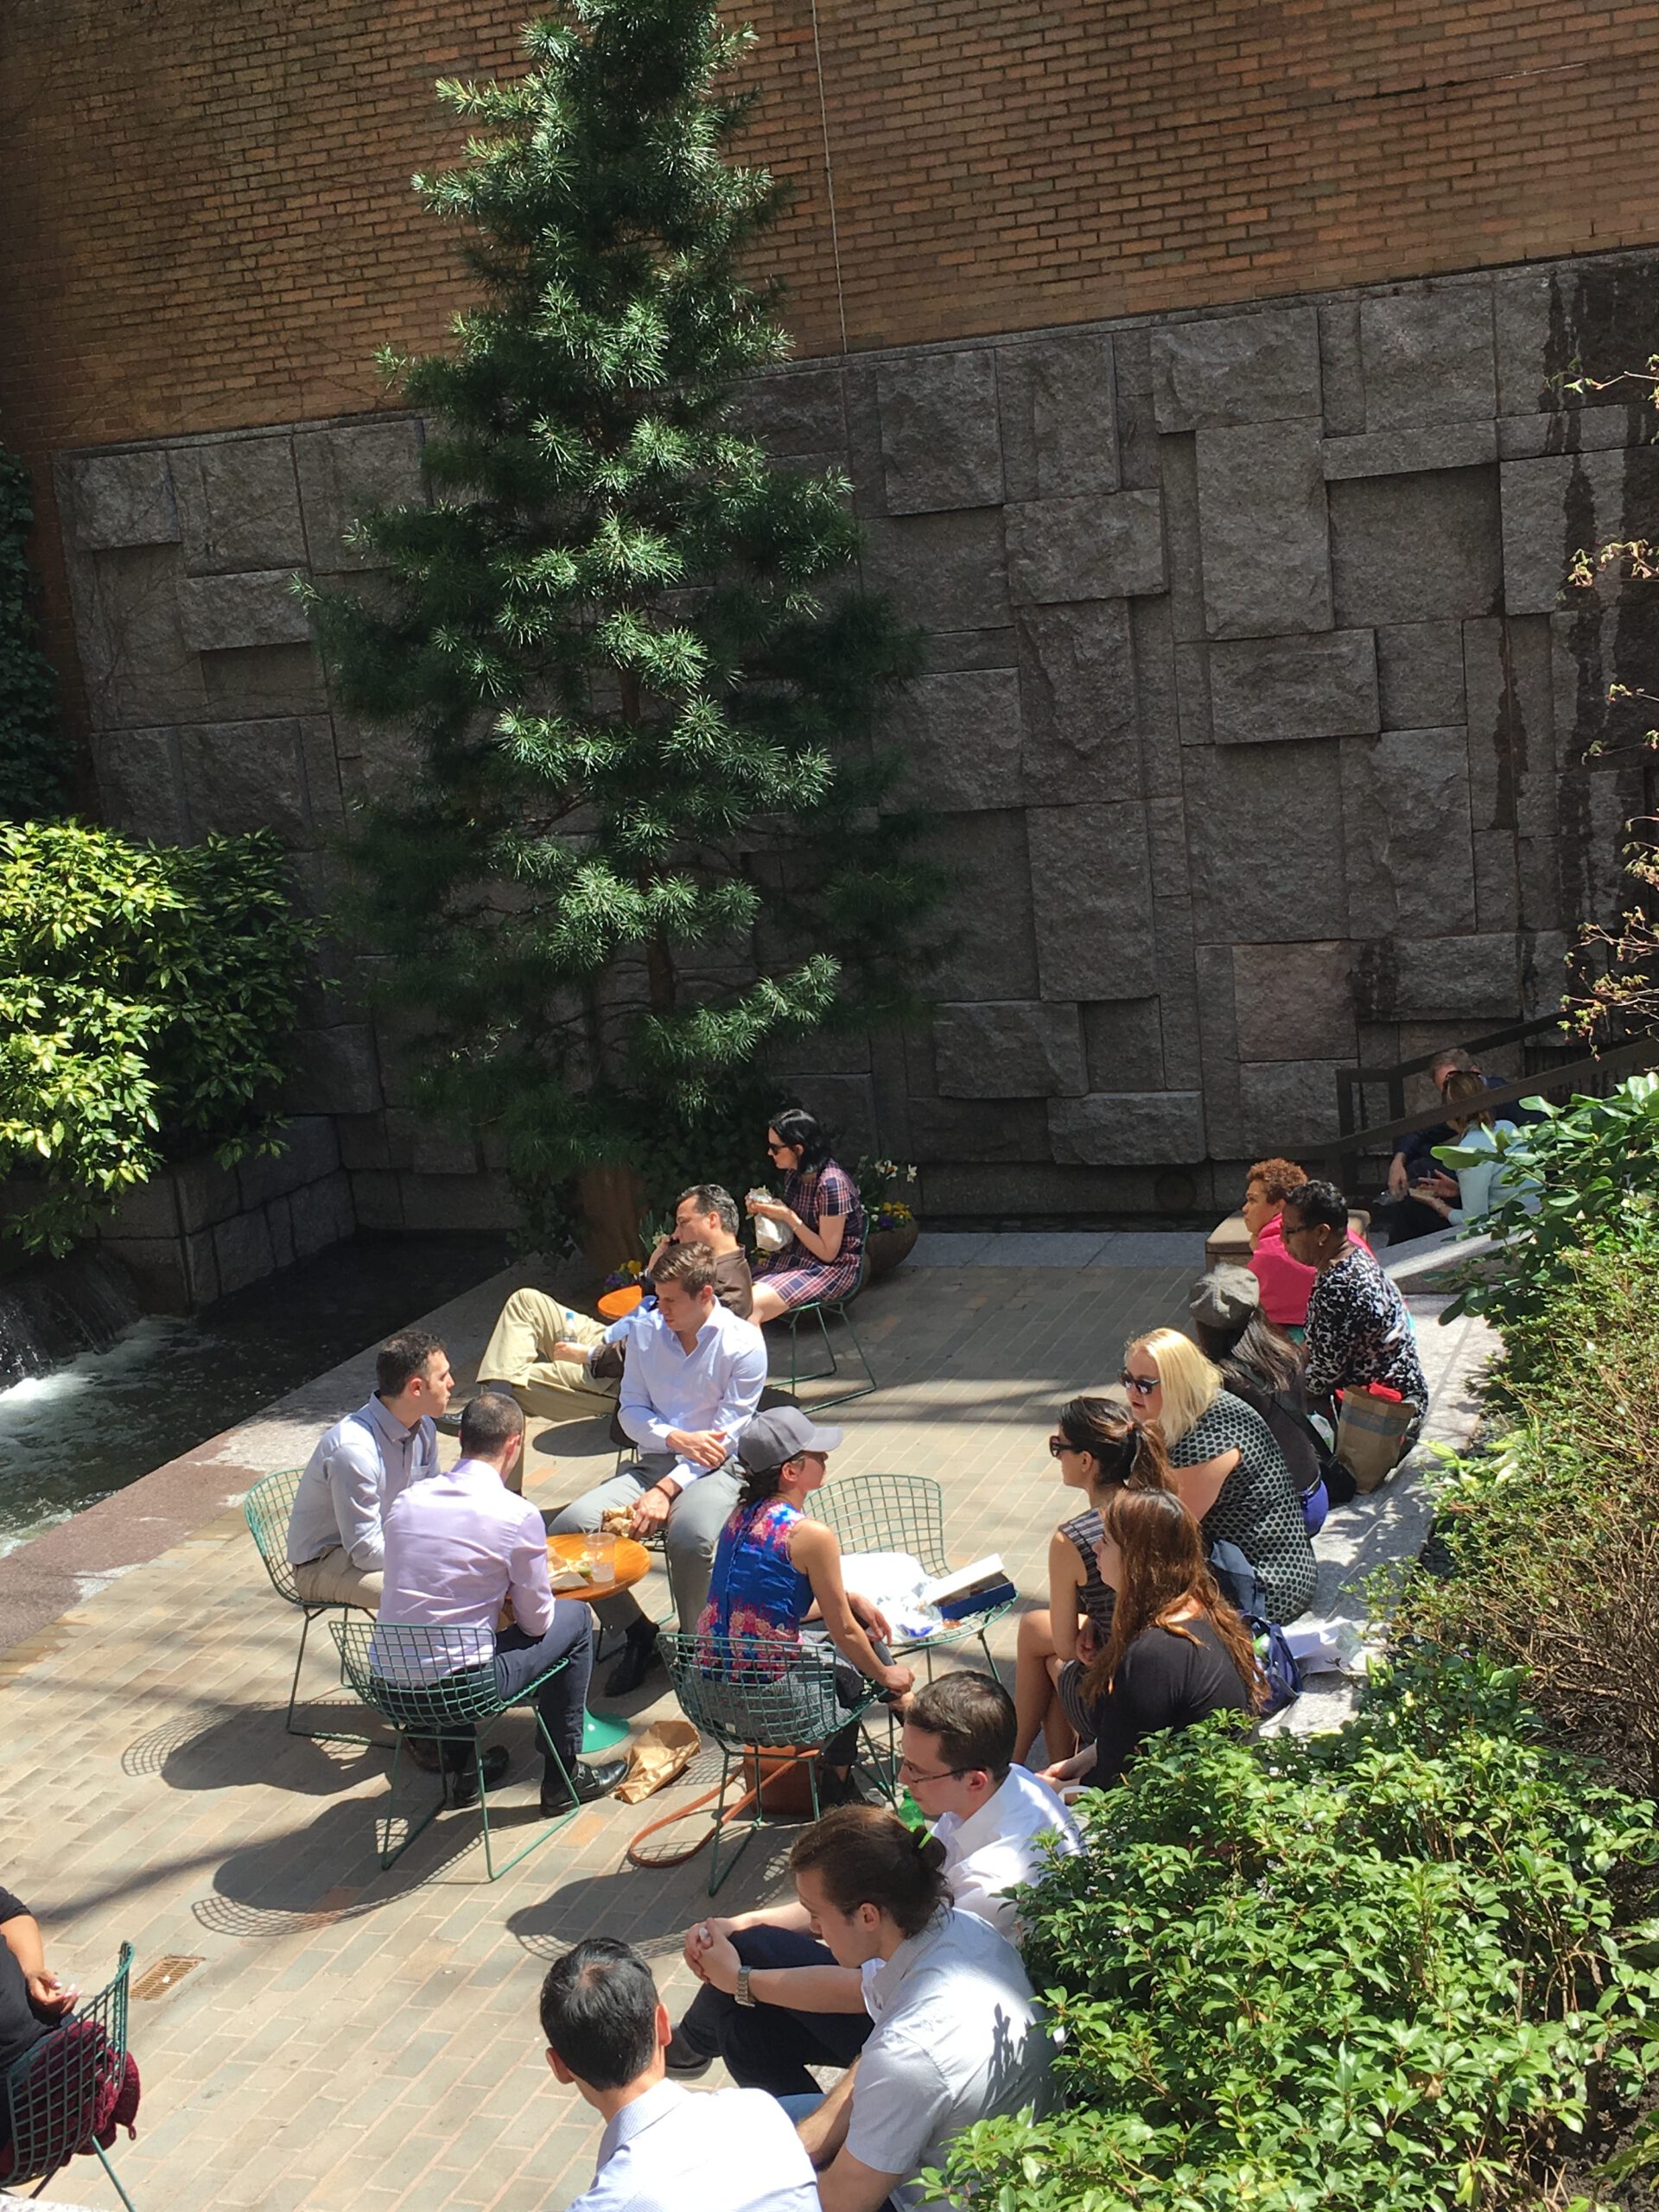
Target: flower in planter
(625, 1278)
(884, 1207)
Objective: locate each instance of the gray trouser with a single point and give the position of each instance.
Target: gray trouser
(695, 1521)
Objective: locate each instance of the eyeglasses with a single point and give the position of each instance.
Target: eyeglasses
(908, 1772)
(1058, 1444)
(1142, 1385)
(774, 1149)
(1289, 1229)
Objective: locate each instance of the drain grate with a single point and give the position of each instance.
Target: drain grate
(156, 1981)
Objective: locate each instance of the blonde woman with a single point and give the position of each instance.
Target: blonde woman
(1227, 1470)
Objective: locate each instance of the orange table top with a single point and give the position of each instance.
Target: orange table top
(632, 1564)
(616, 1304)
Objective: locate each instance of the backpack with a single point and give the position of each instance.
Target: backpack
(1278, 1663)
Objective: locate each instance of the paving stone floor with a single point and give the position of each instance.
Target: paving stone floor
(350, 2039)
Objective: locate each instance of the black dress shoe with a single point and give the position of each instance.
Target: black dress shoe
(426, 1752)
(586, 1783)
(684, 2061)
(639, 1658)
(460, 1785)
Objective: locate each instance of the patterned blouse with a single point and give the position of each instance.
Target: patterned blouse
(754, 1590)
(1359, 1332)
(1258, 1508)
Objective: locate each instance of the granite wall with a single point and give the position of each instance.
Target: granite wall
(1255, 721)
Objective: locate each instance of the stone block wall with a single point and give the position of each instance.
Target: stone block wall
(1256, 719)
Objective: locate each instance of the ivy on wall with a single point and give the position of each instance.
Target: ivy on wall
(34, 761)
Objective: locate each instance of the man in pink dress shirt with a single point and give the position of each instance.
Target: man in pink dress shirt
(458, 1547)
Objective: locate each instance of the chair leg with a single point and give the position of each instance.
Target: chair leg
(319, 1735)
(869, 1384)
(115, 2179)
(492, 1871)
(715, 1877)
(384, 1828)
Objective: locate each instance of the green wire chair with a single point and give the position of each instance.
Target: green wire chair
(267, 1509)
(449, 1707)
(758, 1694)
(903, 1513)
(824, 1311)
(53, 2092)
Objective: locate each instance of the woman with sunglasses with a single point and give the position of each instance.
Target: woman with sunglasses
(1229, 1472)
(1099, 1449)
(1177, 1651)
(821, 1210)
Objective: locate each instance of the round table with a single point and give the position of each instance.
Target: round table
(633, 1565)
(616, 1304)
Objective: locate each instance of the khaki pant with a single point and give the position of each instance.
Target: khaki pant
(520, 1352)
(333, 1580)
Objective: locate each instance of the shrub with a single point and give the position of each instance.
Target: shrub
(145, 992)
(1379, 1969)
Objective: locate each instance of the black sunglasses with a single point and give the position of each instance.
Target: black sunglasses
(1142, 1385)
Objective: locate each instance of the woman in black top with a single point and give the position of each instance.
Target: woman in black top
(1099, 1449)
(1177, 1651)
(32, 1998)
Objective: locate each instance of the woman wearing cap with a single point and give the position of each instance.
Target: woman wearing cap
(1257, 1365)
(1177, 1651)
(1099, 1449)
(778, 1573)
(1228, 1471)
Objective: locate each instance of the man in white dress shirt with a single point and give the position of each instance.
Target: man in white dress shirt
(694, 1377)
(773, 2001)
(665, 2149)
(459, 1547)
(336, 1544)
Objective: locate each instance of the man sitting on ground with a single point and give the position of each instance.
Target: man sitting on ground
(664, 2149)
(335, 1540)
(1358, 1330)
(694, 1377)
(774, 2002)
(541, 1350)
(458, 1546)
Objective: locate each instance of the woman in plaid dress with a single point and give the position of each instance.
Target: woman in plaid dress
(821, 1208)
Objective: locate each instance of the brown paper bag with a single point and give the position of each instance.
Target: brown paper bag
(1372, 1437)
(664, 1752)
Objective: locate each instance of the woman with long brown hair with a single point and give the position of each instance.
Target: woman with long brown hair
(1177, 1651)
(1099, 1449)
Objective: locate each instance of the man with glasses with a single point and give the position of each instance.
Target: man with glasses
(1358, 1330)
(774, 2002)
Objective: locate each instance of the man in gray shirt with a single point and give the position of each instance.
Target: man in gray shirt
(336, 1544)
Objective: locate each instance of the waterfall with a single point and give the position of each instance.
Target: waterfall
(50, 1310)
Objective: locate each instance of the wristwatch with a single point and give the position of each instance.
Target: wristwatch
(741, 1993)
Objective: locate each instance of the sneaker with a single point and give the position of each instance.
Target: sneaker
(636, 1662)
(461, 1787)
(586, 1783)
(684, 2061)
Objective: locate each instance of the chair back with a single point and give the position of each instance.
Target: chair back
(750, 1690)
(408, 1676)
(61, 2092)
(268, 1508)
(886, 1513)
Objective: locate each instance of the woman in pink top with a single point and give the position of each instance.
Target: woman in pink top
(1285, 1282)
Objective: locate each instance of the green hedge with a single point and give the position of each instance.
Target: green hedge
(146, 996)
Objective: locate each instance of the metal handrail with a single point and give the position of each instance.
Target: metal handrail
(1352, 1082)
(1346, 1149)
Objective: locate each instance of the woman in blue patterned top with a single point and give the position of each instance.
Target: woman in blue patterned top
(778, 1573)
(821, 1210)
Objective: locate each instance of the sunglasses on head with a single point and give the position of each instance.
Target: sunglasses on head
(1142, 1385)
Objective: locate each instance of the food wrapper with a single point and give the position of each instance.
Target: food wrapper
(661, 1753)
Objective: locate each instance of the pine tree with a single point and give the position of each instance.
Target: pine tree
(652, 834)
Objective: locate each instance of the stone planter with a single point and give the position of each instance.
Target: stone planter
(890, 1248)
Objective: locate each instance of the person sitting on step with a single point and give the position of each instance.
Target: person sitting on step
(336, 1541)
(773, 2001)
(459, 1547)
(606, 2030)
(693, 1379)
(540, 1349)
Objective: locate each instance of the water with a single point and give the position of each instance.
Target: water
(103, 1418)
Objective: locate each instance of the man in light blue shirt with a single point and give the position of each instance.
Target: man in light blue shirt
(336, 1540)
(665, 2149)
(694, 1377)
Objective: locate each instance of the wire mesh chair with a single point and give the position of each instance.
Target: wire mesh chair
(433, 1698)
(824, 1311)
(772, 1706)
(903, 1513)
(57, 2091)
(267, 1509)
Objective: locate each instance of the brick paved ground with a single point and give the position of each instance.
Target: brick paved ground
(350, 2039)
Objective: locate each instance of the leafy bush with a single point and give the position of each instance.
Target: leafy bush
(34, 763)
(1587, 1174)
(1380, 1969)
(145, 992)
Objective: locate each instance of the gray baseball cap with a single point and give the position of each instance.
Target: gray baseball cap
(1224, 1299)
(782, 1433)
